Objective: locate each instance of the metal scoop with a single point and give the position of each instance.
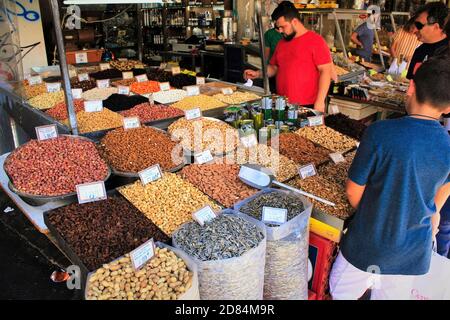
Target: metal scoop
(260, 178)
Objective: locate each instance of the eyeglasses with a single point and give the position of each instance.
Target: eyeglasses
(419, 25)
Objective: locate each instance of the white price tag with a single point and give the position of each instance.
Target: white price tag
(204, 215)
(307, 171)
(77, 93)
(176, 70)
(141, 255)
(164, 86)
(201, 80)
(127, 75)
(227, 91)
(53, 87)
(315, 121)
(122, 59)
(103, 84)
(90, 192)
(249, 141)
(337, 157)
(104, 66)
(46, 132)
(276, 216)
(81, 57)
(34, 80)
(131, 123)
(123, 90)
(193, 114)
(150, 174)
(334, 109)
(150, 99)
(193, 91)
(141, 78)
(83, 77)
(357, 145)
(93, 106)
(204, 157)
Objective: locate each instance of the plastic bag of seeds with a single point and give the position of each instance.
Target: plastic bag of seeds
(230, 255)
(286, 272)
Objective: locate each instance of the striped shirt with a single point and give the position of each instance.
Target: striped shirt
(406, 44)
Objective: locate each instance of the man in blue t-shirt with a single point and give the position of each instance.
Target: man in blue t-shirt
(364, 36)
(398, 182)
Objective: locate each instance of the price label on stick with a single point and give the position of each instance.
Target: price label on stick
(93, 106)
(131, 123)
(77, 93)
(164, 86)
(150, 174)
(104, 66)
(249, 141)
(53, 87)
(227, 91)
(83, 77)
(46, 132)
(90, 192)
(276, 216)
(143, 254)
(176, 70)
(193, 114)
(72, 73)
(81, 57)
(315, 121)
(200, 81)
(141, 78)
(127, 75)
(193, 91)
(204, 215)
(204, 157)
(337, 157)
(123, 90)
(34, 80)
(103, 84)
(307, 171)
(122, 59)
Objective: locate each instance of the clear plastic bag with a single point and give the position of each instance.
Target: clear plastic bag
(239, 278)
(286, 272)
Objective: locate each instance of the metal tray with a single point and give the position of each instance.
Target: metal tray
(39, 200)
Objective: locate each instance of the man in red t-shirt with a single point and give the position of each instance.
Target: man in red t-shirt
(301, 62)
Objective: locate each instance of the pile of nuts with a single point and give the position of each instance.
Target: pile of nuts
(219, 181)
(47, 100)
(54, 167)
(345, 125)
(59, 111)
(330, 191)
(123, 82)
(106, 74)
(145, 87)
(101, 231)
(120, 102)
(158, 75)
(164, 277)
(97, 121)
(99, 94)
(328, 138)
(85, 85)
(201, 101)
(299, 149)
(169, 96)
(134, 150)
(148, 112)
(33, 91)
(205, 134)
(168, 202)
(237, 97)
(126, 65)
(338, 173)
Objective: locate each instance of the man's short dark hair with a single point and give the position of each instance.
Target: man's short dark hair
(431, 81)
(287, 10)
(437, 13)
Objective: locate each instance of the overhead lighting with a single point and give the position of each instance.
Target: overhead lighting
(112, 1)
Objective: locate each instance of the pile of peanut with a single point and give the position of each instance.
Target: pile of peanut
(328, 138)
(46, 100)
(201, 101)
(99, 94)
(237, 97)
(97, 121)
(35, 90)
(164, 277)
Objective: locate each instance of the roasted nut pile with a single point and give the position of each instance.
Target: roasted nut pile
(145, 87)
(123, 82)
(169, 96)
(164, 277)
(47, 100)
(168, 202)
(148, 112)
(201, 101)
(59, 111)
(106, 74)
(342, 123)
(237, 97)
(182, 80)
(328, 138)
(323, 188)
(99, 94)
(85, 85)
(299, 149)
(97, 121)
(102, 231)
(337, 173)
(33, 91)
(159, 75)
(219, 181)
(54, 167)
(124, 65)
(205, 134)
(283, 168)
(120, 102)
(134, 150)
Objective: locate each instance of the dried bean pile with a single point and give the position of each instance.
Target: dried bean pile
(158, 75)
(137, 149)
(331, 191)
(338, 173)
(148, 112)
(164, 277)
(123, 82)
(97, 121)
(47, 100)
(102, 231)
(106, 74)
(342, 123)
(182, 80)
(120, 102)
(145, 87)
(99, 94)
(54, 167)
(205, 134)
(33, 91)
(328, 138)
(126, 65)
(299, 149)
(201, 101)
(219, 181)
(85, 85)
(59, 111)
(168, 202)
(169, 96)
(237, 97)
